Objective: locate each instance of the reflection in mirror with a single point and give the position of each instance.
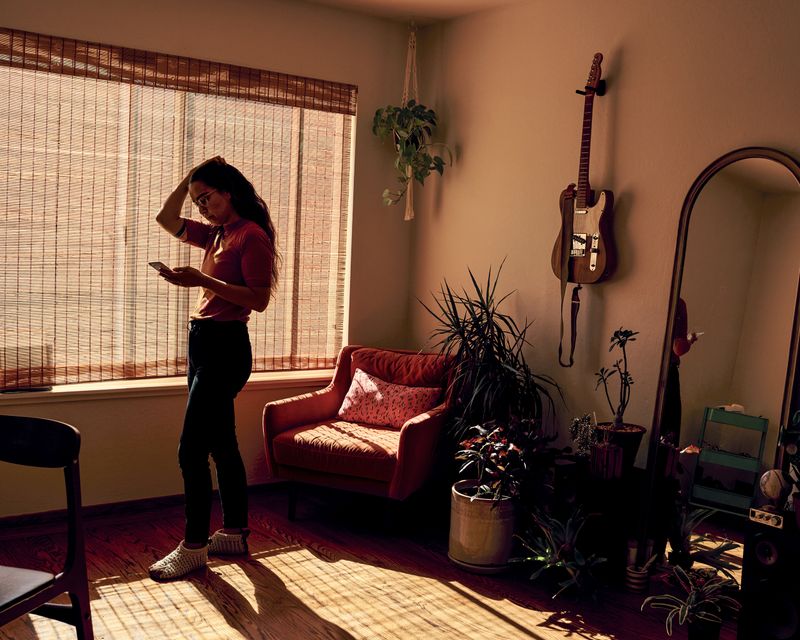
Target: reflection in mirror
(736, 269)
(739, 285)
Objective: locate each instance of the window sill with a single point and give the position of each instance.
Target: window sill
(152, 387)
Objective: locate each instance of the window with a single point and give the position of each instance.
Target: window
(94, 138)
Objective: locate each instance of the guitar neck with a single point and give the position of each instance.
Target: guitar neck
(582, 197)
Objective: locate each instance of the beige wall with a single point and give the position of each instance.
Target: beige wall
(687, 82)
(129, 445)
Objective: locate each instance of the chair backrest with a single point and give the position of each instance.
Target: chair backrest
(408, 368)
(45, 443)
(38, 442)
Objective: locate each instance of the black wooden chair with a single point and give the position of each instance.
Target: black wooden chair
(38, 442)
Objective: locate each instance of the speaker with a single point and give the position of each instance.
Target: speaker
(770, 583)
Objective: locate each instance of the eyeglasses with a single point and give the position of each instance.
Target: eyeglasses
(202, 200)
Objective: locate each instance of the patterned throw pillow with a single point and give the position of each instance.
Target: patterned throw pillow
(376, 401)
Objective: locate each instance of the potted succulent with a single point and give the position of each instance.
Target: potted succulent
(409, 127)
(701, 605)
(496, 423)
(617, 434)
(552, 547)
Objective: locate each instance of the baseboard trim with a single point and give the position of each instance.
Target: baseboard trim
(20, 525)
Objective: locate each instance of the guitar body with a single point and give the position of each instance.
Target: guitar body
(584, 252)
(592, 256)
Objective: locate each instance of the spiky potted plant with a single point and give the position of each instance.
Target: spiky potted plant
(496, 429)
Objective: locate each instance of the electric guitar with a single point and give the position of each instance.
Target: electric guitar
(584, 250)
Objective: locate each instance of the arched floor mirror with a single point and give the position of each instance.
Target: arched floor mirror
(736, 269)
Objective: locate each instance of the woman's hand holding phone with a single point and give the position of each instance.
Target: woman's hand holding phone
(159, 266)
(181, 276)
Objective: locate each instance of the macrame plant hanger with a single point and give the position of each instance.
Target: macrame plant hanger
(410, 93)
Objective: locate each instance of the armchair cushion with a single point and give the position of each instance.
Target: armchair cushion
(341, 448)
(376, 401)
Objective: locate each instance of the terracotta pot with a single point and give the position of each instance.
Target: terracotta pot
(606, 461)
(628, 436)
(481, 534)
(637, 580)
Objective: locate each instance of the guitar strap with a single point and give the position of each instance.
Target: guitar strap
(575, 306)
(567, 211)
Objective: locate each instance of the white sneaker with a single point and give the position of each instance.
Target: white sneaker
(179, 562)
(228, 544)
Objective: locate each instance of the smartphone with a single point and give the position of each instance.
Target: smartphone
(159, 266)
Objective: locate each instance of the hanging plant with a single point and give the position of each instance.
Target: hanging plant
(410, 127)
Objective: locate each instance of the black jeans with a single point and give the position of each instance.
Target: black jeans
(219, 364)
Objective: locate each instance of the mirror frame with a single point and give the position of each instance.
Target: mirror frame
(677, 277)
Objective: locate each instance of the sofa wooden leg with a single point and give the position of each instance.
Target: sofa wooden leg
(390, 515)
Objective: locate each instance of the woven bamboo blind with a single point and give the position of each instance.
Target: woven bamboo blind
(94, 138)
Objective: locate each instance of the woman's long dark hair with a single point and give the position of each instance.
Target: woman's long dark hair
(245, 201)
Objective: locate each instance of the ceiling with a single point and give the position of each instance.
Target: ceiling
(421, 11)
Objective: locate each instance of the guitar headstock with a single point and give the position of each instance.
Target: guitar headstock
(593, 81)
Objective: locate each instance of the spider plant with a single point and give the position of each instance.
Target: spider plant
(688, 547)
(704, 600)
(555, 547)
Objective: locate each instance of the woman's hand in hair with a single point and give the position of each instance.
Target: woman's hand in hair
(214, 160)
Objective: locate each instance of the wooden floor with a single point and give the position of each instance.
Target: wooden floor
(333, 573)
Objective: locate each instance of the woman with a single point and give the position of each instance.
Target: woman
(668, 487)
(682, 341)
(237, 276)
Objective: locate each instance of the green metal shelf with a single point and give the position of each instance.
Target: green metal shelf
(732, 460)
(730, 501)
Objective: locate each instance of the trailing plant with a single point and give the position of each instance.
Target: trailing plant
(584, 435)
(553, 545)
(491, 382)
(704, 599)
(409, 127)
(619, 340)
